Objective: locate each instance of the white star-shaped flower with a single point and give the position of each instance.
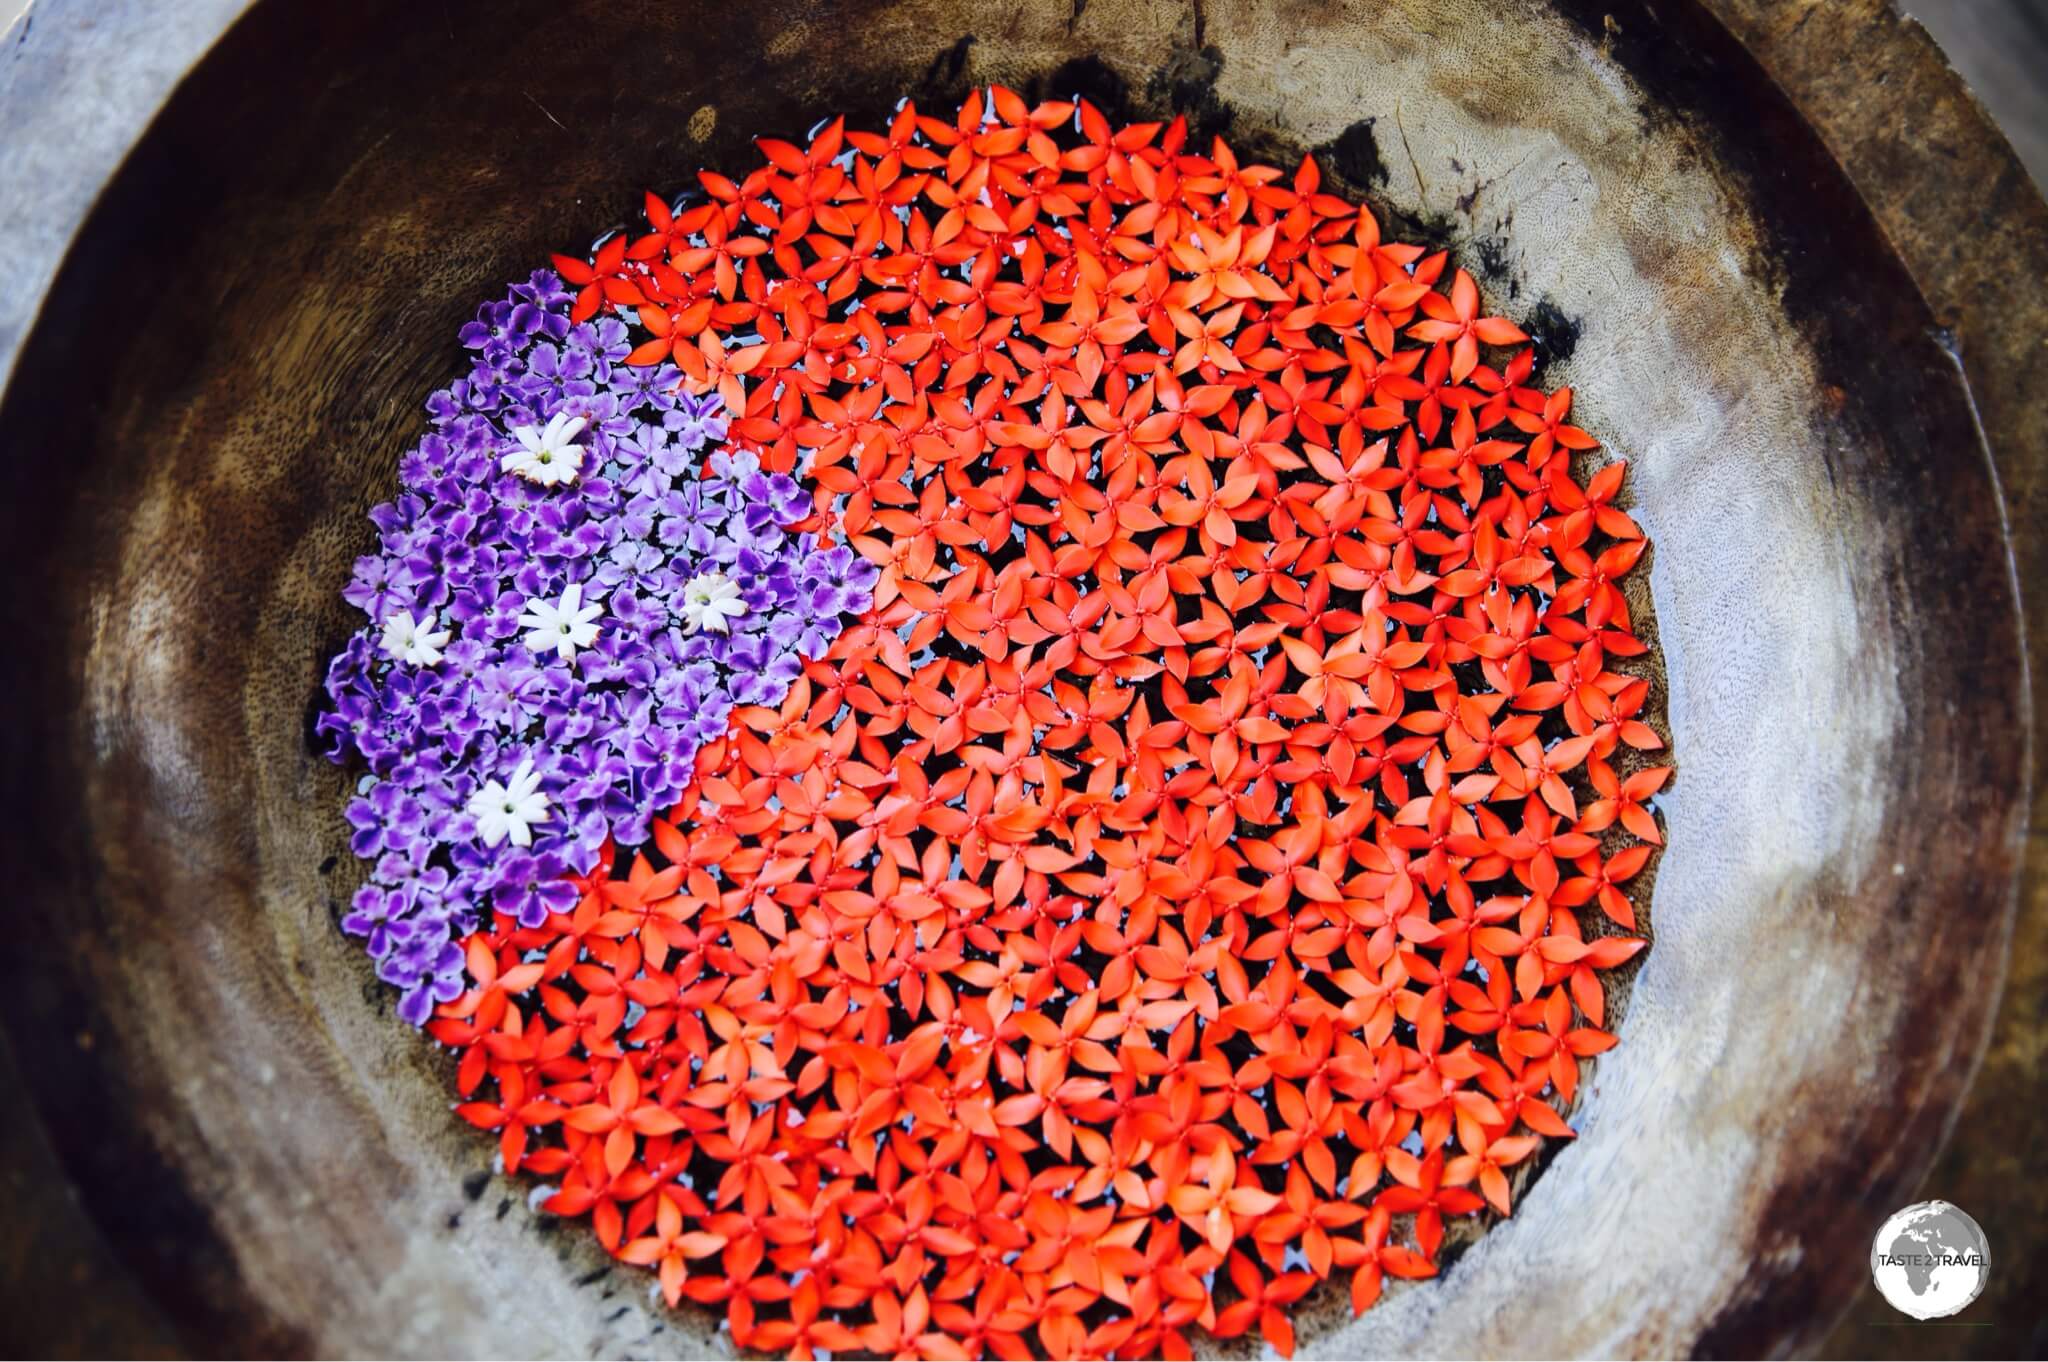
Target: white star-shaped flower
(414, 641)
(711, 600)
(561, 628)
(547, 456)
(511, 809)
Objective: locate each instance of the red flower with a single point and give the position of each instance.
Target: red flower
(1198, 821)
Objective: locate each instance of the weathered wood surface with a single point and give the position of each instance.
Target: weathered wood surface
(1973, 233)
(1767, 315)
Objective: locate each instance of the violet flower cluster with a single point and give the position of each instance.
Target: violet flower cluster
(706, 603)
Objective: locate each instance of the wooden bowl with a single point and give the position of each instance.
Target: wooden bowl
(236, 352)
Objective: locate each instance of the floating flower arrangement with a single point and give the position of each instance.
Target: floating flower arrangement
(1002, 737)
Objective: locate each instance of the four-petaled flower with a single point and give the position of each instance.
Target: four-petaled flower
(467, 544)
(913, 1020)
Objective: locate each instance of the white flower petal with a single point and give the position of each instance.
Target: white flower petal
(505, 812)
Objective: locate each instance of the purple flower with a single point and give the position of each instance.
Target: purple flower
(378, 915)
(385, 821)
(615, 734)
(441, 984)
(531, 887)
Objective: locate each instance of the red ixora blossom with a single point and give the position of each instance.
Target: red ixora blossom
(1193, 877)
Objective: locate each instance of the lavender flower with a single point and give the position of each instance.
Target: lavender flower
(442, 694)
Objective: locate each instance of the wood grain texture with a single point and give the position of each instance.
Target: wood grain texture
(1769, 348)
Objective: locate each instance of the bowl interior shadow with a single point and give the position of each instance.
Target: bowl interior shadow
(237, 351)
